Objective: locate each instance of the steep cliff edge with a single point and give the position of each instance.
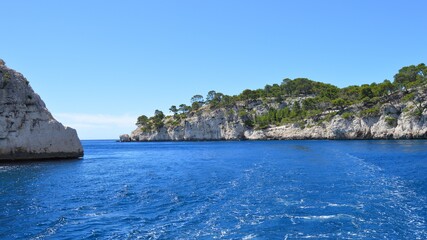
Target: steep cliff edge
(299, 109)
(27, 129)
(391, 123)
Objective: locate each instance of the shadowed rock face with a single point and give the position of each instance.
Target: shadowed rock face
(27, 129)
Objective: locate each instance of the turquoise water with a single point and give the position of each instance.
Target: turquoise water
(229, 190)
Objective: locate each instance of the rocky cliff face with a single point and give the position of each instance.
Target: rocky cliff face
(27, 129)
(395, 120)
(207, 125)
(355, 128)
(299, 109)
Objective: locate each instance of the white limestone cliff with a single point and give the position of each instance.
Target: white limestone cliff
(28, 131)
(219, 124)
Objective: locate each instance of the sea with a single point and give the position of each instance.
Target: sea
(365, 189)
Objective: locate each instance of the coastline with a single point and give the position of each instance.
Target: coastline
(211, 127)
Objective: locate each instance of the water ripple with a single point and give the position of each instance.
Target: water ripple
(228, 190)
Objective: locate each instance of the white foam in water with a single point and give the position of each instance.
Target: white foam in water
(325, 217)
(370, 167)
(292, 196)
(394, 200)
(250, 236)
(356, 206)
(6, 168)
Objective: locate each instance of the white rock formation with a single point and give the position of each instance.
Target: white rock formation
(27, 129)
(219, 124)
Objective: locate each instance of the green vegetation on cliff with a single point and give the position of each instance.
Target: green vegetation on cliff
(295, 101)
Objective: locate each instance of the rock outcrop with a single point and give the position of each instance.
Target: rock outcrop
(125, 138)
(27, 129)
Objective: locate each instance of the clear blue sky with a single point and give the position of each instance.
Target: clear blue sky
(100, 64)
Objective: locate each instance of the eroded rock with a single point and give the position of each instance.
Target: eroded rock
(28, 131)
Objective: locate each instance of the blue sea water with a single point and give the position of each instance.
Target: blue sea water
(228, 190)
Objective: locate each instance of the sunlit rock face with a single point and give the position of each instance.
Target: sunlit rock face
(27, 129)
(223, 124)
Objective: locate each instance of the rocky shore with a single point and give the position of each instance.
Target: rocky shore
(299, 109)
(28, 130)
(217, 125)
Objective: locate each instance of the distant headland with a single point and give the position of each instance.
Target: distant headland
(299, 109)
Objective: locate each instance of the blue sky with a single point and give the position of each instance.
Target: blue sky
(100, 64)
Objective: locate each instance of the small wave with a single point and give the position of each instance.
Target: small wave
(368, 166)
(96, 214)
(52, 229)
(250, 236)
(325, 217)
(308, 207)
(357, 206)
(234, 183)
(303, 236)
(7, 168)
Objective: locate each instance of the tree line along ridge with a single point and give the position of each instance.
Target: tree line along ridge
(296, 100)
